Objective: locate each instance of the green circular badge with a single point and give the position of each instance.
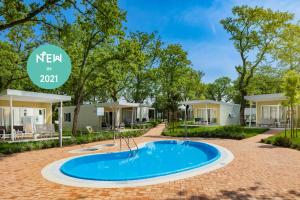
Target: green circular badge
(49, 66)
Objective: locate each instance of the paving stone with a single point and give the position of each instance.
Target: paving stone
(259, 171)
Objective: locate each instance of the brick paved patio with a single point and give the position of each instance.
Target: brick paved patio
(259, 171)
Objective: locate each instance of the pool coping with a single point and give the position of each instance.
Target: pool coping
(52, 172)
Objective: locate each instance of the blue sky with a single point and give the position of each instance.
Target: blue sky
(195, 25)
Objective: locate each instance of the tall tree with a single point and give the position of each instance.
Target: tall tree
(192, 87)
(287, 50)
(253, 32)
(291, 88)
(266, 80)
(14, 51)
(117, 74)
(88, 42)
(142, 82)
(176, 82)
(220, 90)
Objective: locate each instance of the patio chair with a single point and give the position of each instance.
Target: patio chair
(272, 123)
(127, 123)
(3, 132)
(89, 129)
(198, 120)
(122, 125)
(19, 131)
(44, 130)
(267, 123)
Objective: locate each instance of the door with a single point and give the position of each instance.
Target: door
(40, 116)
(211, 115)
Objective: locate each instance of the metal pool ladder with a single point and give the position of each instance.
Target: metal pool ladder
(127, 141)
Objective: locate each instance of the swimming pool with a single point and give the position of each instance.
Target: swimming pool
(152, 160)
(154, 163)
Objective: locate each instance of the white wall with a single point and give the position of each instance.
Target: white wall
(143, 112)
(229, 114)
(87, 117)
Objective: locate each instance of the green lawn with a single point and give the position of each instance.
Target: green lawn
(230, 132)
(281, 140)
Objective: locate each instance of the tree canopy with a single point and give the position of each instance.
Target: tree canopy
(220, 90)
(254, 32)
(109, 64)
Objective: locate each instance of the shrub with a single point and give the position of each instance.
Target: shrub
(230, 132)
(9, 148)
(282, 141)
(232, 128)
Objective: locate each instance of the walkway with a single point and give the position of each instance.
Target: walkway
(259, 171)
(264, 135)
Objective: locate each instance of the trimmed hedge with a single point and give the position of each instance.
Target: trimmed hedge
(229, 132)
(10, 148)
(282, 141)
(149, 124)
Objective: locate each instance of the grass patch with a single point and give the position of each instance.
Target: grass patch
(149, 124)
(281, 140)
(229, 132)
(10, 148)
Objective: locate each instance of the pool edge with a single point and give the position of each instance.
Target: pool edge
(52, 173)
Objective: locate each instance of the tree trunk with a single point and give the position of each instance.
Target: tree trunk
(75, 119)
(75, 116)
(242, 109)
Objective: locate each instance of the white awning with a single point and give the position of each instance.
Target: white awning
(266, 97)
(122, 105)
(19, 95)
(193, 102)
(118, 105)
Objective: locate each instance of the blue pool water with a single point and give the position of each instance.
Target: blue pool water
(152, 160)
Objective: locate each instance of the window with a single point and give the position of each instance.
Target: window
(208, 114)
(273, 112)
(266, 112)
(38, 115)
(67, 117)
(2, 117)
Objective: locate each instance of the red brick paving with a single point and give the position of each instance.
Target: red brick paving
(259, 171)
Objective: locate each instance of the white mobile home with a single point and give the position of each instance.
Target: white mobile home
(270, 110)
(23, 112)
(209, 112)
(107, 115)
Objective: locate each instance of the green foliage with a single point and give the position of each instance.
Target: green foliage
(288, 48)
(117, 74)
(220, 90)
(254, 32)
(17, 13)
(142, 83)
(284, 141)
(176, 81)
(93, 46)
(230, 132)
(146, 125)
(291, 86)
(266, 80)
(10, 148)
